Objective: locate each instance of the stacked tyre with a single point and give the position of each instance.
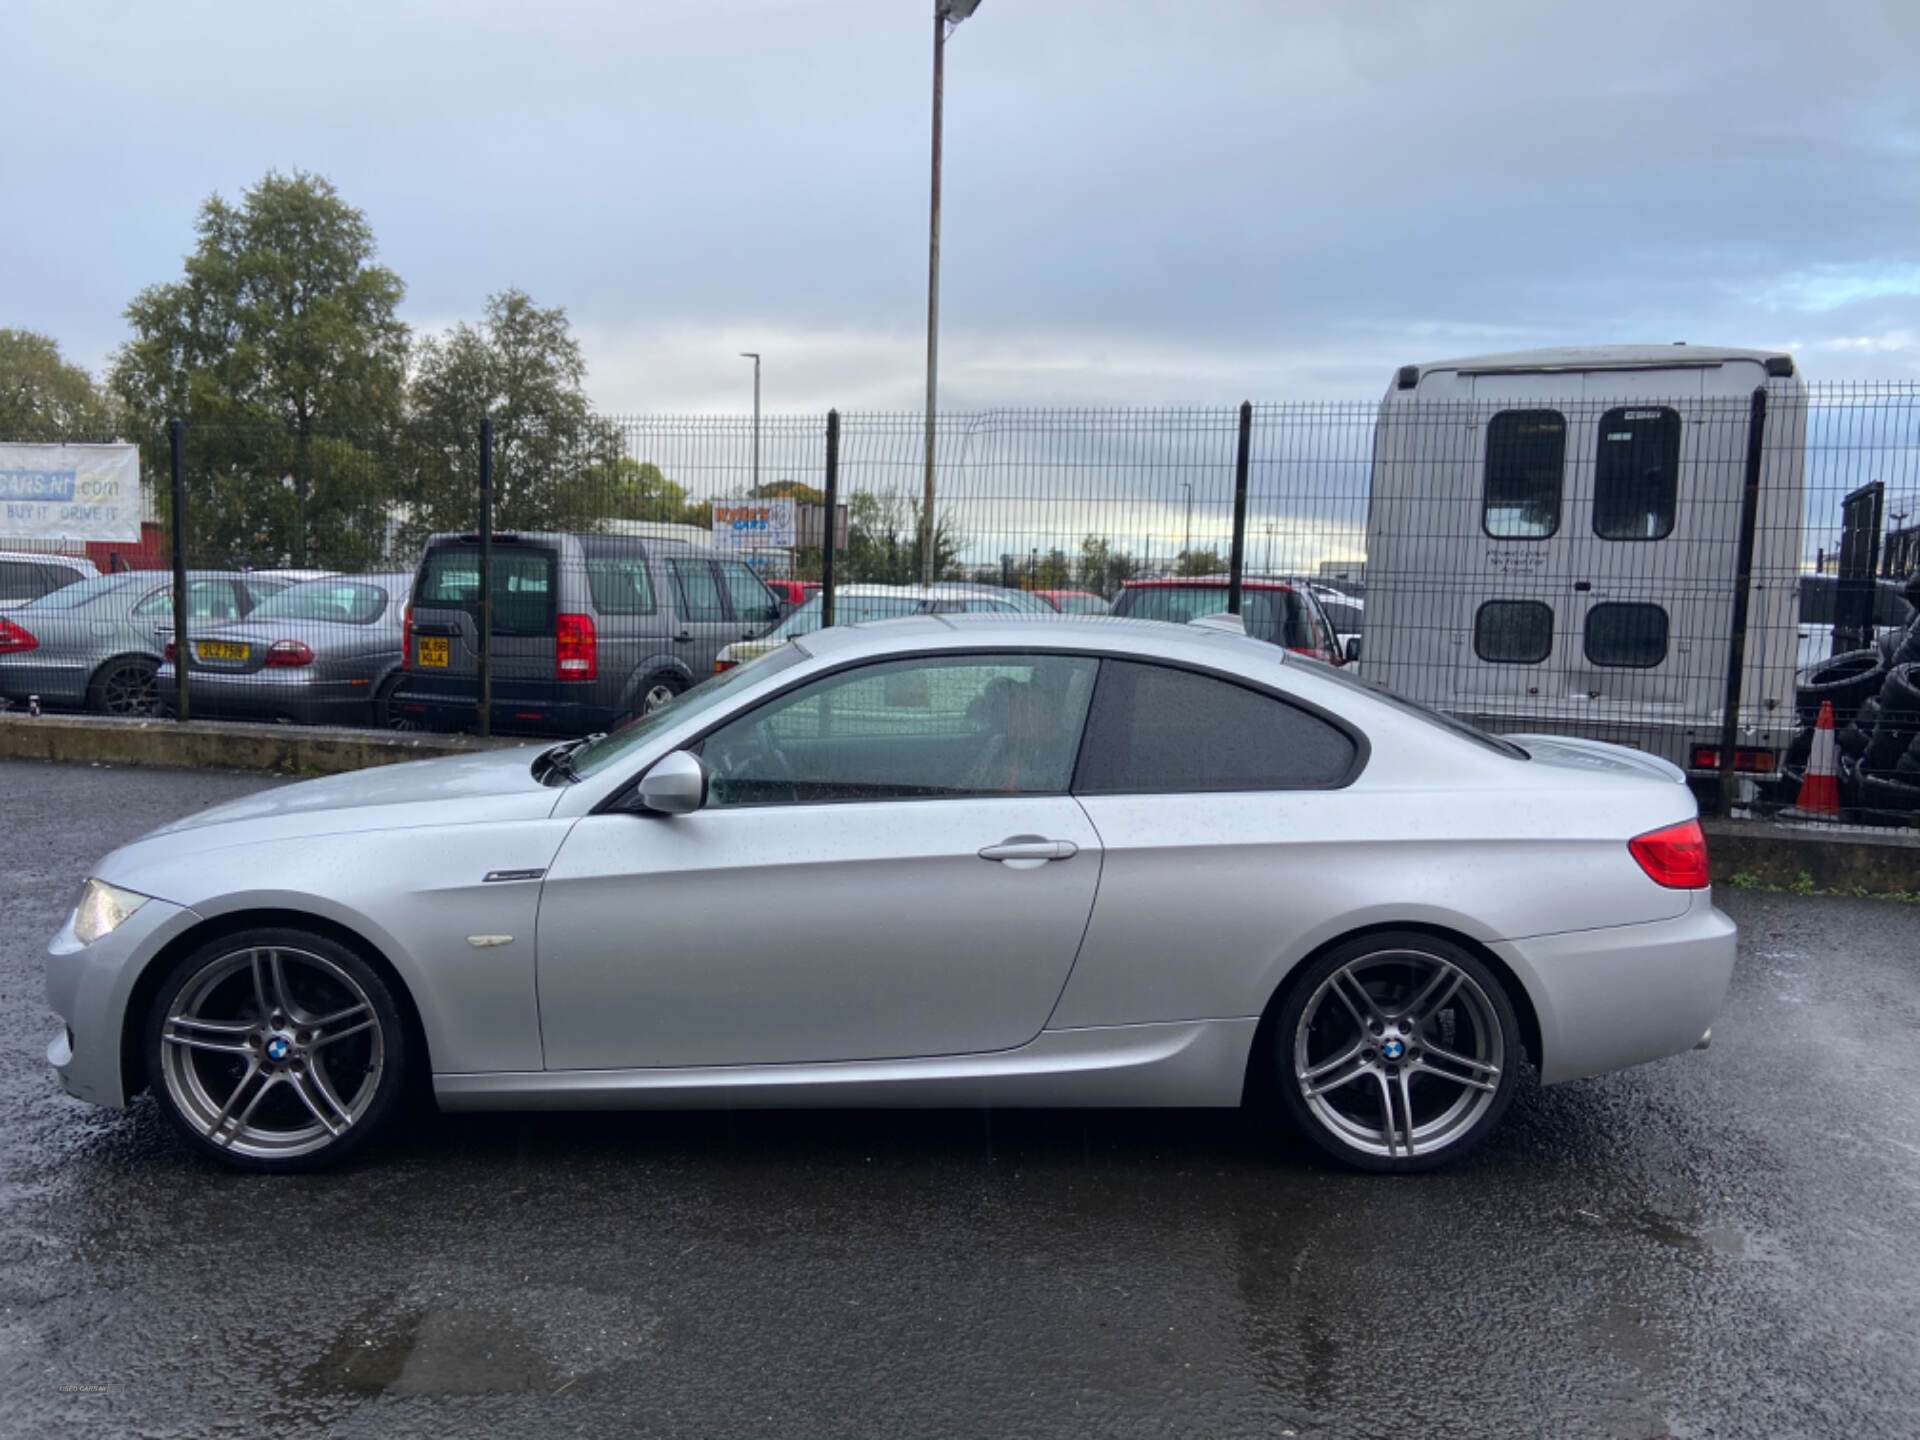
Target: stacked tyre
(1875, 694)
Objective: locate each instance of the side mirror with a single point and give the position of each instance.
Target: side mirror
(1353, 650)
(676, 785)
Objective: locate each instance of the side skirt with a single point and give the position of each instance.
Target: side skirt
(1185, 1063)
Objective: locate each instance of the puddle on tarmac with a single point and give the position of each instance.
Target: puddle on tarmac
(429, 1352)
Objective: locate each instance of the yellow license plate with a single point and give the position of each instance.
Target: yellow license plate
(433, 651)
(221, 650)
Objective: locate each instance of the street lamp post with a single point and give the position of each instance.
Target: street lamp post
(754, 355)
(946, 14)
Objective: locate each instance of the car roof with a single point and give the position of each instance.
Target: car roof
(1206, 582)
(1568, 358)
(1116, 633)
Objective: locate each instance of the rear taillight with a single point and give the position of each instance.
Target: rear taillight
(1747, 762)
(167, 651)
(14, 640)
(720, 667)
(406, 638)
(576, 653)
(288, 655)
(1675, 857)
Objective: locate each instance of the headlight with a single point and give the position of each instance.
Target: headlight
(103, 909)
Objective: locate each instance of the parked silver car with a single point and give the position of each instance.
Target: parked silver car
(950, 860)
(326, 652)
(97, 644)
(26, 575)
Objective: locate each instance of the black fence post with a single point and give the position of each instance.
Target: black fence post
(1237, 557)
(178, 486)
(1743, 584)
(486, 575)
(832, 523)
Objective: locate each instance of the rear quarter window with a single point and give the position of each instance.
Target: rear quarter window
(523, 581)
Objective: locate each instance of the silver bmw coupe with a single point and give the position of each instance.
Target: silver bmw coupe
(945, 861)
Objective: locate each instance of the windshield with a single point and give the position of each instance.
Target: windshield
(709, 693)
(346, 602)
(72, 597)
(1410, 707)
(1279, 616)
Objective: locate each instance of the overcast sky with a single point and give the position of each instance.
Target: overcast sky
(1147, 201)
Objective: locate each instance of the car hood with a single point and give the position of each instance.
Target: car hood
(1597, 757)
(492, 785)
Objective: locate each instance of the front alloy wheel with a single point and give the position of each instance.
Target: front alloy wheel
(276, 1050)
(1397, 1052)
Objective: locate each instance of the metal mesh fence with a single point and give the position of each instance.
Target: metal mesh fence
(1561, 557)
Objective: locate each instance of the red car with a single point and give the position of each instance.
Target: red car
(1272, 610)
(792, 594)
(1074, 602)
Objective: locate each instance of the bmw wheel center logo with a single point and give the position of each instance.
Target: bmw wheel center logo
(277, 1048)
(1392, 1049)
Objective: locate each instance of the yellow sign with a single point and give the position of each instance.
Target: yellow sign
(433, 651)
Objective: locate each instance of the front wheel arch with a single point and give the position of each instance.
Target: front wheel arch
(1257, 1084)
(133, 1067)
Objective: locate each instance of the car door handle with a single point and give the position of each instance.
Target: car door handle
(683, 637)
(1030, 847)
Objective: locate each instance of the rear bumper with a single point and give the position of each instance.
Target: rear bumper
(532, 707)
(1626, 994)
(270, 695)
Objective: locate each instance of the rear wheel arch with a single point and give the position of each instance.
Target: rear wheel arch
(106, 666)
(133, 1068)
(1258, 1081)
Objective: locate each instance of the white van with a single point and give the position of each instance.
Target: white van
(1553, 538)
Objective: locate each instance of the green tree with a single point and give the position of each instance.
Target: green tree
(1053, 571)
(883, 541)
(44, 398)
(554, 466)
(1102, 569)
(281, 349)
(1199, 562)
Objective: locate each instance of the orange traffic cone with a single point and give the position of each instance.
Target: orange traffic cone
(1820, 791)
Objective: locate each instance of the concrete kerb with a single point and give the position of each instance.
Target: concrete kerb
(1829, 857)
(211, 744)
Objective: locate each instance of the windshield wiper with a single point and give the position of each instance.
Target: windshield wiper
(559, 760)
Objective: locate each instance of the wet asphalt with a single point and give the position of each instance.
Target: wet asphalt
(1720, 1244)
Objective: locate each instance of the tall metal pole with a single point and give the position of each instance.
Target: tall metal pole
(1742, 587)
(828, 534)
(1186, 546)
(933, 296)
(754, 356)
(178, 486)
(1237, 553)
(486, 575)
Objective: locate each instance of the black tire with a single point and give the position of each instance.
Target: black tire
(1908, 650)
(1884, 800)
(1889, 742)
(125, 685)
(318, 1102)
(1394, 969)
(1852, 739)
(646, 701)
(1909, 763)
(1901, 692)
(386, 714)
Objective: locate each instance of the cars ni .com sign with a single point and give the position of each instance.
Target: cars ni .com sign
(69, 492)
(753, 524)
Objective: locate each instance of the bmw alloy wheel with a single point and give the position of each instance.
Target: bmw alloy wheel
(273, 1053)
(1400, 1055)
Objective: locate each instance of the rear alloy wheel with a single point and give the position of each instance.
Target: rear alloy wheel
(660, 690)
(1397, 1052)
(387, 714)
(125, 687)
(276, 1050)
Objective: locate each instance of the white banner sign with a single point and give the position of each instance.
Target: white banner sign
(753, 524)
(69, 492)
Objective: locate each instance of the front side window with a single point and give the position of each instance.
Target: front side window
(1526, 460)
(1156, 730)
(931, 727)
(1636, 476)
(1513, 632)
(1630, 636)
(695, 590)
(753, 603)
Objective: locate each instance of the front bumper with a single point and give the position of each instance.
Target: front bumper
(1625, 994)
(88, 987)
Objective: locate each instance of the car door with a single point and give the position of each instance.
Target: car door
(889, 865)
(1226, 831)
(704, 627)
(756, 609)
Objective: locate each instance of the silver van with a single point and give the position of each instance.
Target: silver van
(588, 630)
